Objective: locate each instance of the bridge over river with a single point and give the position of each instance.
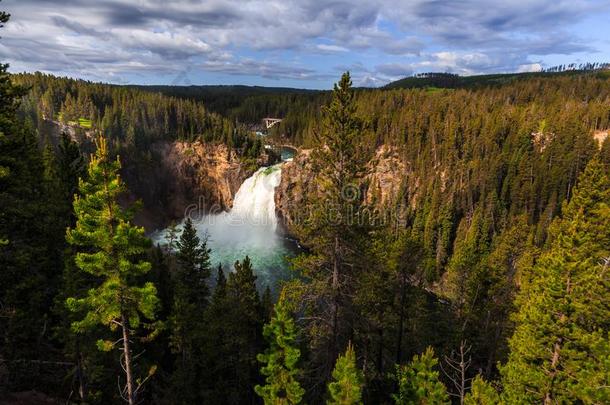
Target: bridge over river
(285, 151)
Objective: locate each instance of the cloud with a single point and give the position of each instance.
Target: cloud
(292, 39)
(270, 70)
(331, 48)
(529, 67)
(395, 69)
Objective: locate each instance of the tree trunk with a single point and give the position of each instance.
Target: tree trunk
(548, 398)
(335, 292)
(332, 349)
(401, 318)
(79, 371)
(127, 355)
(380, 350)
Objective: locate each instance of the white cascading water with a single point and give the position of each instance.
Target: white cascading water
(249, 228)
(255, 199)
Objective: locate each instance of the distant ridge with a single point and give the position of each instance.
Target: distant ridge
(453, 81)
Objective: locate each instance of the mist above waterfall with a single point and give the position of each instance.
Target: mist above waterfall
(249, 228)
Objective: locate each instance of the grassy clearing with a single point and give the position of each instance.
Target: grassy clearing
(85, 123)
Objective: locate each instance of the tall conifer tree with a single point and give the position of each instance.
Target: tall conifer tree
(333, 229)
(346, 386)
(187, 321)
(418, 382)
(281, 359)
(560, 349)
(111, 250)
(243, 328)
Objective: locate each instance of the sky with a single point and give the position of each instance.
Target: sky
(297, 43)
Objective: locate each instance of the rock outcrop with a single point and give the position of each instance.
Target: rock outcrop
(297, 182)
(600, 136)
(384, 178)
(185, 177)
(385, 174)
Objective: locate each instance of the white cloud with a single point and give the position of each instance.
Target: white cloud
(331, 48)
(529, 67)
(109, 37)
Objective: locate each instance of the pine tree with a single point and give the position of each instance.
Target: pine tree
(280, 359)
(242, 316)
(30, 263)
(559, 350)
(346, 387)
(333, 230)
(482, 393)
(187, 322)
(191, 291)
(217, 348)
(418, 382)
(111, 251)
(266, 305)
(72, 166)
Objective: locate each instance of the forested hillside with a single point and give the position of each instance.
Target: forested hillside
(132, 119)
(481, 279)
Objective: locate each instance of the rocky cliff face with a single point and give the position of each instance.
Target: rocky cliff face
(297, 182)
(385, 175)
(175, 177)
(184, 177)
(386, 172)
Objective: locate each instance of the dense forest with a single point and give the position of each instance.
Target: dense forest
(487, 285)
(131, 119)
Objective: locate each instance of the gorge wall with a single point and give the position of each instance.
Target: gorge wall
(387, 172)
(182, 175)
(172, 175)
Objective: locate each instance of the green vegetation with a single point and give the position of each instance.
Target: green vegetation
(497, 240)
(559, 350)
(346, 385)
(453, 81)
(281, 359)
(187, 326)
(419, 383)
(111, 246)
(132, 120)
(85, 123)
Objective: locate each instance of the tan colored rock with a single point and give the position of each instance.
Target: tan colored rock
(297, 182)
(600, 136)
(205, 174)
(542, 139)
(385, 174)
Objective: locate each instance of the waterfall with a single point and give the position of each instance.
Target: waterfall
(255, 200)
(249, 228)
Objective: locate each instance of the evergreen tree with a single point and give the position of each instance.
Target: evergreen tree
(559, 351)
(243, 328)
(418, 382)
(72, 166)
(187, 322)
(333, 229)
(220, 372)
(346, 387)
(191, 291)
(482, 393)
(30, 248)
(159, 350)
(280, 359)
(266, 305)
(111, 251)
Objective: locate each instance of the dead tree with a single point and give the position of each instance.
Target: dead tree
(456, 368)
